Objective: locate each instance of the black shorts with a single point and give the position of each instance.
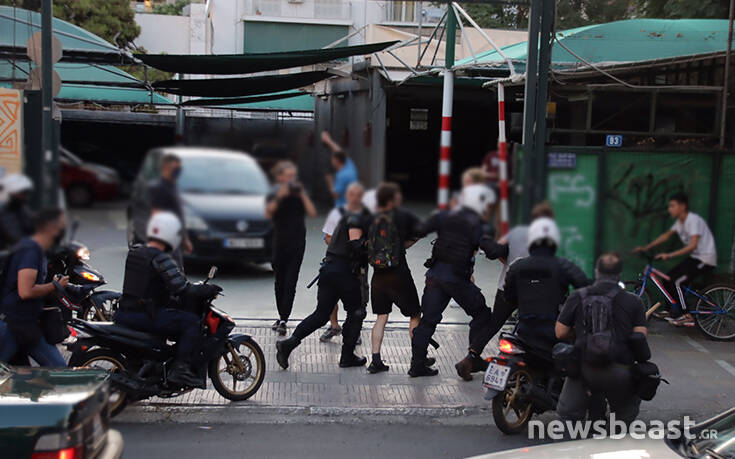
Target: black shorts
(391, 287)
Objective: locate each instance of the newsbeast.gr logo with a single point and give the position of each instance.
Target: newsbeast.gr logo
(616, 429)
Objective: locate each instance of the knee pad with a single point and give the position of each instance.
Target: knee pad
(360, 313)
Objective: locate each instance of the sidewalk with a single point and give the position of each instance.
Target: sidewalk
(314, 383)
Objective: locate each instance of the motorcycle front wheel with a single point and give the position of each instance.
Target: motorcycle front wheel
(104, 359)
(238, 372)
(511, 415)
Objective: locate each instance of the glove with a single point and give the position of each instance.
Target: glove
(204, 291)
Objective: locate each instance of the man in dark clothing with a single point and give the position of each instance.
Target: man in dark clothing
(16, 217)
(614, 379)
(287, 206)
(165, 197)
(24, 292)
(153, 291)
(393, 284)
(339, 280)
(539, 284)
(460, 233)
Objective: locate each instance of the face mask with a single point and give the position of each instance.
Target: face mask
(60, 237)
(176, 173)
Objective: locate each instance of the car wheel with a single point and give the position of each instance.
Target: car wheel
(79, 196)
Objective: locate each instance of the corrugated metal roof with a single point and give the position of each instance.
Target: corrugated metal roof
(633, 40)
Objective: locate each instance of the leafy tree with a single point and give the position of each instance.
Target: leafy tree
(175, 9)
(493, 16)
(677, 9)
(112, 20)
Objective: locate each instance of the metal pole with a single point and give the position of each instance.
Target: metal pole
(421, 21)
(49, 156)
(529, 107)
(726, 82)
(539, 154)
(445, 147)
(503, 150)
(180, 120)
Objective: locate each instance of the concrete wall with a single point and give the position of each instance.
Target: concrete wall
(163, 33)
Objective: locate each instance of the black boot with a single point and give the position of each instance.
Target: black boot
(349, 359)
(182, 375)
(420, 368)
(284, 349)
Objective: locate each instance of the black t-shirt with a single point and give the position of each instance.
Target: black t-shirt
(165, 196)
(289, 227)
(628, 312)
(26, 255)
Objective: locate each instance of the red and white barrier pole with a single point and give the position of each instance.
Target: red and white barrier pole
(503, 152)
(445, 148)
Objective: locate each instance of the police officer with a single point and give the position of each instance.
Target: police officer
(460, 233)
(339, 279)
(538, 284)
(152, 281)
(16, 217)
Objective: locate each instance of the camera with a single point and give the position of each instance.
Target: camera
(294, 188)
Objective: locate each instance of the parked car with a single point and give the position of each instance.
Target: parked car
(711, 439)
(223, 193)
(56, 413)
(84, 182)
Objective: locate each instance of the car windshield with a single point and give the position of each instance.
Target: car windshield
(718, 440)
(222, 175)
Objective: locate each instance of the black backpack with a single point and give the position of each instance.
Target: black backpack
(598, 341)
(384, 242)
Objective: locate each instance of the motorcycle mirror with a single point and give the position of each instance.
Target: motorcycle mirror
(212, 272)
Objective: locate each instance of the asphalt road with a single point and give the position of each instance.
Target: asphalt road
(317, 441)
(248, 289)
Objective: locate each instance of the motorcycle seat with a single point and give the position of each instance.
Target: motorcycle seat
(112, 328)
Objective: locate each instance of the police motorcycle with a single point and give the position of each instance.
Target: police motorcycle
(138, 361)
(70, 259)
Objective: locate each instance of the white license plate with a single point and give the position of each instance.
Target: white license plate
(496, 376)
(245, 243)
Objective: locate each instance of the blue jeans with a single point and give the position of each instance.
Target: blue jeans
(43, 353)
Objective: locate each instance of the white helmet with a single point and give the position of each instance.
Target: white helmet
(542, 230)
(16, 183)
(477, 197)
(165, 227)
(370, 200)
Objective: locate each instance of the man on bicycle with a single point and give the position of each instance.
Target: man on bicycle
(699, 245)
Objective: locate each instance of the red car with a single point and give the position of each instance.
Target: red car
(84, 183)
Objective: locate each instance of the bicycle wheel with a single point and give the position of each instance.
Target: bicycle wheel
(635, 287)
(715, 315)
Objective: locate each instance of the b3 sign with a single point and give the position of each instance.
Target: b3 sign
(615, 141)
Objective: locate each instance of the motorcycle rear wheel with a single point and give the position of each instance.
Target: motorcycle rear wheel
(506, 404)
(104, 359)
(246, 381)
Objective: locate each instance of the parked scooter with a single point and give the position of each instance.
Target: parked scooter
(139, 361)
(70, 259)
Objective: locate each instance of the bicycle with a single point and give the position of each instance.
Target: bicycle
(714, 314)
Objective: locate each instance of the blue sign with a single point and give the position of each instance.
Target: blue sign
(562, 160)
(614, 141)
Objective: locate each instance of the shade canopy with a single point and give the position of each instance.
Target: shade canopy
(295, 101)
(237, 87)
(232, 64)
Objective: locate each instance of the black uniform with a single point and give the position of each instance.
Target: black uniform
(153, 284)
(16, 222)
(460, 233)
(340, 280)
(538, 285)
(395, 285)
(289, 230)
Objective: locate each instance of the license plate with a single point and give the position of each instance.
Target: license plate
(496, 376)
(245, 243)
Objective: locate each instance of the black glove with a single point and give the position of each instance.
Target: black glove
(204, 291)
(196, 295)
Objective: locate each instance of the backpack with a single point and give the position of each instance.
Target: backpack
(384, 242)
(598, 341)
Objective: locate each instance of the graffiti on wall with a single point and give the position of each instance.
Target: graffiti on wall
(11, 141)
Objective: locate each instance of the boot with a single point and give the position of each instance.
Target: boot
(284, 349)
(472, 363)
(421, 369)
(349, 359)
(430, 361)
(182, 375)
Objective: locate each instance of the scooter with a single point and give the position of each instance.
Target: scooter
(138, 361)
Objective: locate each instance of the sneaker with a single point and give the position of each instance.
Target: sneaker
(281, 329)
(685, 320)
(663, 315)
(275, 325)
(377, 367)
(329, 334)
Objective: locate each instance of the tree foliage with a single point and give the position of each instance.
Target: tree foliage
(175, 9)
(112, 20)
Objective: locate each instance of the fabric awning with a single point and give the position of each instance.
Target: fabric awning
(231, 64)
(237, 87)
(282, 101)
(213, 102)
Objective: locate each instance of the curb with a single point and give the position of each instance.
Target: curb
(261, 414)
